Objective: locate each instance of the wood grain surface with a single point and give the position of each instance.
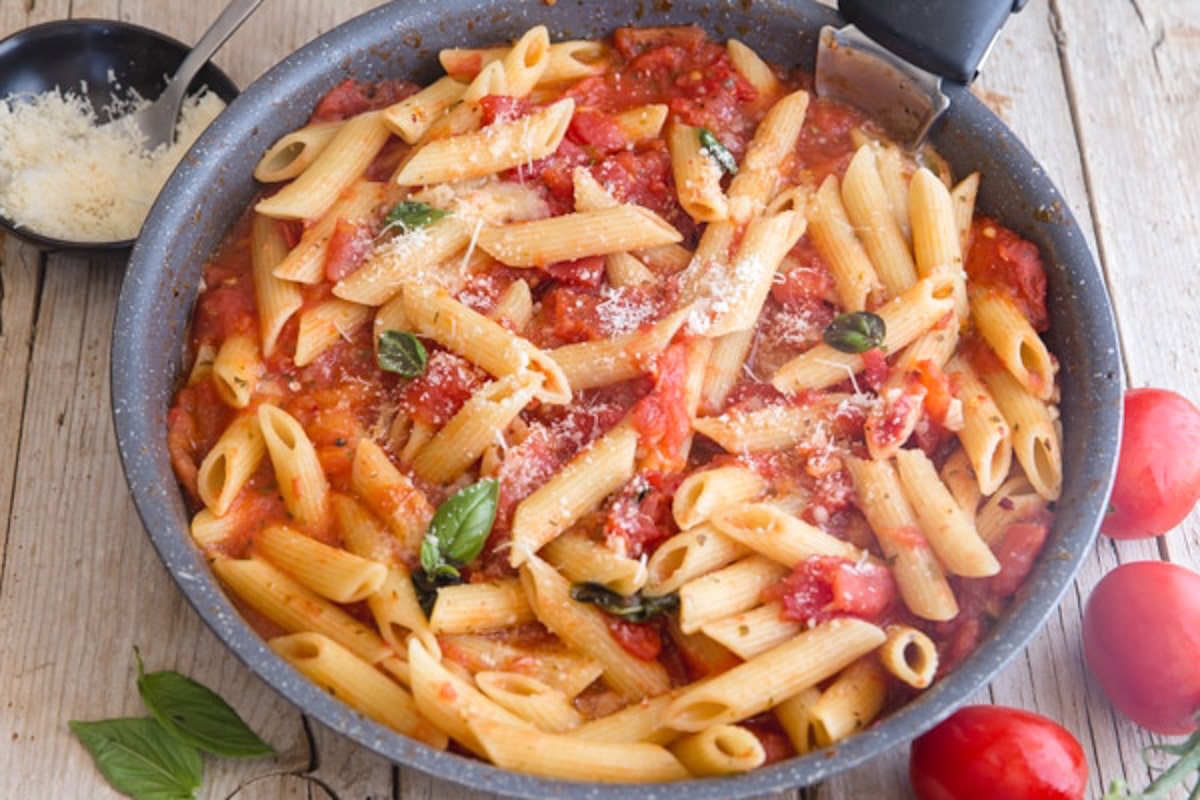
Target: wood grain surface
(1106, 95)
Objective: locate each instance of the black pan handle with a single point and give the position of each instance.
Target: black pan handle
(947, 37)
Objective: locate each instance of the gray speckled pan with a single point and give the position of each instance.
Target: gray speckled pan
(213, 186)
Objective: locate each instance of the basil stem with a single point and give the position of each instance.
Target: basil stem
(402, 352)
(410, 215)
(631, 608)
(718, 152)
(855, 332)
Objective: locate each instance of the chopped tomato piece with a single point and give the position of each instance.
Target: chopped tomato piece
(349, 245)
(582, 272)
(1018, 550)
(640, 640)
(824, 587)
(499, 108)
(594, 129)
(438, 394)
(1001, 259)
(350, 98)
(641, 516)
(661, 418)
(875, 368)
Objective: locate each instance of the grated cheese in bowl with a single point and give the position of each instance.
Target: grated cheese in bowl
(65, 175)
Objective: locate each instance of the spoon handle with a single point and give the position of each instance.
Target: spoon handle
(229, 21)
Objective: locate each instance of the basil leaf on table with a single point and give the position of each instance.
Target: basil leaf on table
(631, 608)
(712, 147)
(139, 758)
(410, 215)
(402, 352)
(855, 332)
(195, 715)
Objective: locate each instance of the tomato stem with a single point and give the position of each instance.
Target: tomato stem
(1187, 765)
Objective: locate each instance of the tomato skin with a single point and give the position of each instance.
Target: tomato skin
(1141, 642)
(997, 753)
(1158, 473)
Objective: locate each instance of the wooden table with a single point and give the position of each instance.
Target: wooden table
(1107, 98)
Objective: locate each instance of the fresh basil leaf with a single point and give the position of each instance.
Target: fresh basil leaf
(855, 332)
(431, 553)
(631, 608)
(462, 523)
(402, 352)
(140, 759)
(718, 152)
(197, 716)
(410, 215)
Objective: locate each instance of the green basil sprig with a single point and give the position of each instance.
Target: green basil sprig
(196, 715)
(455, 537)
(855, 332)
(712, 147)
(402, 352)
(410, 215)
(631, 608)
(158, 758)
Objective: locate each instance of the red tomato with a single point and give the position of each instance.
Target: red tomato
(1141, 641)
(1158, 474)
(823, 587)
(640, 640)
(997, 753)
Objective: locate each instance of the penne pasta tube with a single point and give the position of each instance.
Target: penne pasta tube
(276, 299)
(294, 608)
(293, 152)
(833, 235)
(774, 139)
(726, 591)
(906, 317)
(498, 147)
(356, 683)
(769, 679)
(297, 469)
(689, 555)
(586, 365)
(919, 576)
(484, 342)
(1008, 332)
(869, 209)
(391, 496)
(479, 607)
(580, 558)
(329, 571)
(228, 466)
(348, 154)
(697, 176)
(559, 756)
(705, 492)
(584, 628)
(795, 717)
(566, 670)
(725, 366)
(1015, 501)
(850, 703)
(605, 466)
(578, 235)
(462, 440)
(641, 122)
(781, 537)
(411, 117)
(324, 325)
(408, 258)
(985, 435)
(948, 529)
(751, 67)
(909, 655)
(935, 235)
(963, 196)
(1035, 437)
(544, 707)
(720, 750)
(236, 370)
(753, 632)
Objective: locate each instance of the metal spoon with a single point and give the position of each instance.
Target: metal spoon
(158, 120)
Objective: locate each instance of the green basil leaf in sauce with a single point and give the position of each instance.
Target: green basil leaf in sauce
(718, 152)
(855, 332)
(195, 715)
(410, 215)
(402, 352)
(140, 759)
(631, 608)
(461, 524)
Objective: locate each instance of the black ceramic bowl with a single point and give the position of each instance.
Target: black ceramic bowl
(101, 54)
(207, 194)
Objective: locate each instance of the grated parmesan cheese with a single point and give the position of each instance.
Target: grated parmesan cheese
(64, 175)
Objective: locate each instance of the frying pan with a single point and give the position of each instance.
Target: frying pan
(213, 186)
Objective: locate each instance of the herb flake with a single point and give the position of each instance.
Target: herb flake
(401, 352)
(410, 215)
(631, 608)
(711, 146)
(855, 332)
